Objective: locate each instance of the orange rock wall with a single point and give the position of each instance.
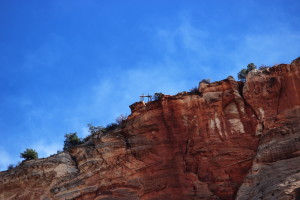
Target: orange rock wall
(228, 141)
(275, 96)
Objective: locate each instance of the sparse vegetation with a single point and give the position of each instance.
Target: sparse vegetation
(95, 129)
(243, 73)
(121, 119)
(71, 140)
(158, 96)
(194, 90)
(110, 127)
(29, 154)
(263, 67)
(101, 129)
(10, 166)
(207, 81)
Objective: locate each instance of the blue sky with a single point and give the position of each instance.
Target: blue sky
(67, 63)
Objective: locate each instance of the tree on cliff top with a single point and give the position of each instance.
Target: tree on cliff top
(29, 154)
(71, 140)
(243, 73)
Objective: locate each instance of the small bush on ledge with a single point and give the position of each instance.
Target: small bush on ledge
(110, 127)
(29, 154)
(95, 129)
(158, 96)
(71, 140)
(194, 90)
(207, 81)
(243, 73)
(10, 166)
(263, 67)
(121, 119)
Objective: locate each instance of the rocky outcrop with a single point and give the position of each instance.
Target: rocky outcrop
(228, 141)
(275, 96)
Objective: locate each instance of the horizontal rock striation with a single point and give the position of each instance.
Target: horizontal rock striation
(230, 140)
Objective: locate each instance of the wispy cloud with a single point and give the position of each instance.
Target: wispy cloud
(183, 37)
(184, 54)
(45, 149)
(184, 43)
(280, 45)
(5, 160)
(179, 67)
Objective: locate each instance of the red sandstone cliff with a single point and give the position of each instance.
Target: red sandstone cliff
(275, 96)
(230, 141)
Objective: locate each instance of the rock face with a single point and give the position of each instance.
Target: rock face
(275, 96)
(229, 141)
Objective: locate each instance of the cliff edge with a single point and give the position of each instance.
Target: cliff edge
(231, 140)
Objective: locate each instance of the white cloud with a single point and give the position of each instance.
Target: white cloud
(45, 149)
(5, 160)
(85, 131)
(275, 46)
(183, 39)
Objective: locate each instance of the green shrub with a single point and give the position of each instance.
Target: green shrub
(110, 127)
(158, 96)
(10, 166)
(207, 81)
(263, 67)
(71, 140)
(251, 67)
(100, 129)
(194, 90)
(95, 129)
(243, 73)
(121, 119)
(29, 154)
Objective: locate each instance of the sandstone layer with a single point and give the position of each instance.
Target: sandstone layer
(275, 96)
(231, 140)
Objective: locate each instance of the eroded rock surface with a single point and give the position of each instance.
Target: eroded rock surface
(228, 141)
(275, 96)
